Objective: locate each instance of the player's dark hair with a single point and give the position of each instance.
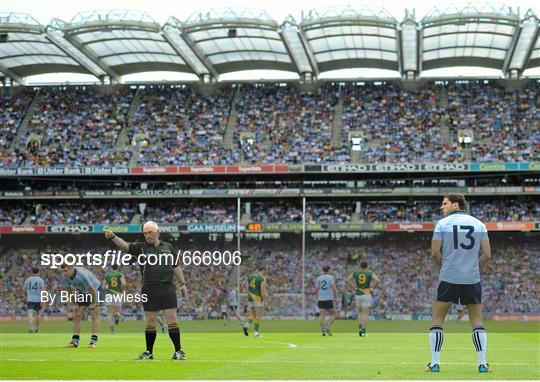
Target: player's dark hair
(455, 197)
(326, 268)
(115, 267)
(363, 264)
(35, 270)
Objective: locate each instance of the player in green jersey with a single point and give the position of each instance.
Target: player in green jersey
(257, 296)
(115, 285)
(362, 281)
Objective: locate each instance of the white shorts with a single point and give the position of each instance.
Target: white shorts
(113, 304)
(364, 301)
(255, 304)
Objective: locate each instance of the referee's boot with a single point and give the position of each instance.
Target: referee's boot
(145, 355)
(179, 355)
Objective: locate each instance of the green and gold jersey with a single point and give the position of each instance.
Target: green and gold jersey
(254, 281)
(362, 281)
(114, 284)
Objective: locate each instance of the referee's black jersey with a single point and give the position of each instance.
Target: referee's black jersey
(160, 267)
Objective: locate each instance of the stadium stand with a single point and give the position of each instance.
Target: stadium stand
(224, 212)
(74, 127)
(178, 126)
(13, 110)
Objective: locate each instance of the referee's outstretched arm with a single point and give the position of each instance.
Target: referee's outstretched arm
(118, 241)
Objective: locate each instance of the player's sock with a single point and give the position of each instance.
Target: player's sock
(479, 338)
(249, 321)
(436, 338)
(257, 323)
(75, 339)
(150, 336)
(359, 328)
(30, 327)
(113, 329)
(174, 334)
(93, 339)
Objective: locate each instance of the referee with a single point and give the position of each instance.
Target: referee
(157, 284)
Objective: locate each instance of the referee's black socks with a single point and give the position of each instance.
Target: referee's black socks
(174, 334)
(150, 336)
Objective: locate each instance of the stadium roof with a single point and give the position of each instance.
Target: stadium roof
(112, 44)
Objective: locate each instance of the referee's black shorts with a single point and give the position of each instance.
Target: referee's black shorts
(459, 293)
(159, 296)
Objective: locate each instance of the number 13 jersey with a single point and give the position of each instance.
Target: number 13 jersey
(460, 235)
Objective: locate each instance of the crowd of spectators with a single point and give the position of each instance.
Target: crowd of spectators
(74, 127)
(224, 212)
(81, 213)
(12, 111)
(506, 126)
(397, 125)
(178, 126)
(211, 212)
(175, 125)
(289, 126)
(13, 214)
(275, 212)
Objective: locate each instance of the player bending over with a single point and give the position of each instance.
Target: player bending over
(33, 285)
(115, 285)
(457, 240)
(364, 280)
(327, 294)
(257, 296)
(83, 282)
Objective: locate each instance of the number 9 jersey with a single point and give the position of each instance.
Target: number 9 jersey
(460, 235)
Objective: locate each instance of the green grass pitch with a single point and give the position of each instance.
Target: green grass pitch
(286, 350)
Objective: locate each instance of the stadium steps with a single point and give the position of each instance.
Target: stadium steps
(468, 154)
(123, 139)
(134, 155)
(232, 122)
(136, 219)
(442, 100)
(337, 125)
(445, 130)
(23, 128)
(355, 217)
(245, 218)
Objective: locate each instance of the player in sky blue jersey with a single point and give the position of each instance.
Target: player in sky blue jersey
(33, 286)
(326, 295)
(457, 241)
(88, 293)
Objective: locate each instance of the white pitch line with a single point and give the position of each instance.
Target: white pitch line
(276, 361)
(289, 345)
